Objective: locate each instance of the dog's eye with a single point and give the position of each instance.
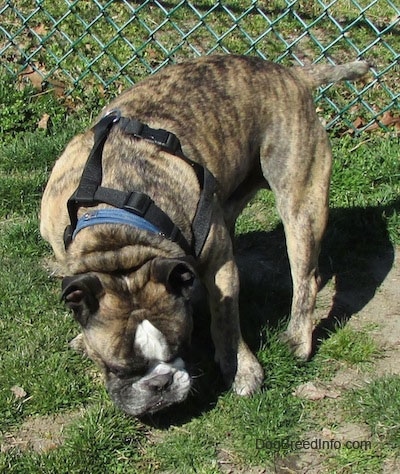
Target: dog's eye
(121, 373)
(126, 372)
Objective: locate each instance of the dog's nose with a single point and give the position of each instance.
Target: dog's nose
(160, 382)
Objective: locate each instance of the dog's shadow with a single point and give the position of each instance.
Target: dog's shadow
(356, 254)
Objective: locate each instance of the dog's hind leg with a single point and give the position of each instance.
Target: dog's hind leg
(303, 243)
(301, 191)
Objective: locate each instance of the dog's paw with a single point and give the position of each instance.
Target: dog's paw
(78, 344)
(299, 344)
(249, 375)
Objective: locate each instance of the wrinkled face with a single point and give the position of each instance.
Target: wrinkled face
(136, 326)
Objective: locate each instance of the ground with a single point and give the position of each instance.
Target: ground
(382, 313)
(372, 302)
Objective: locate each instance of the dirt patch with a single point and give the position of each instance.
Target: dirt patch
(382, 313)
(228, 465)
(39, 433)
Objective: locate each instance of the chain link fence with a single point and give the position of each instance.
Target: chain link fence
(79, 47)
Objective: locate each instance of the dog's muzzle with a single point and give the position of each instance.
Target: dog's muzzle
(163, 385)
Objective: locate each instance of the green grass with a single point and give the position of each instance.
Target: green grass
(95, 50)
(99, 442)
(349, 345)
(378, 405)
(35, 329)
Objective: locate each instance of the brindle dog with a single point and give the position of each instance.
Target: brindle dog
(252, 124)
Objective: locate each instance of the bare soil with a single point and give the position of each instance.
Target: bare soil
(40, 433)
(382, 313)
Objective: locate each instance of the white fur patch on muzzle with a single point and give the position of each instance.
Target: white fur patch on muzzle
(151, 342)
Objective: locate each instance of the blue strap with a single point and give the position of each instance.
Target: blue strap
(114, 216)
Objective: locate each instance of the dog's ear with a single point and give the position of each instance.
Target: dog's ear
(81, 294)
(177, 275)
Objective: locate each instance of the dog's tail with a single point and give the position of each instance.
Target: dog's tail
(318, 74)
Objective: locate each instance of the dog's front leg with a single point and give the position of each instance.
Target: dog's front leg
(239, 366)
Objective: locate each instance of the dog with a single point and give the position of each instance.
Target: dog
(144, 203)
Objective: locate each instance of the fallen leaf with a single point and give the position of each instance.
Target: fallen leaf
(358, 122)
(40, 29)
(57, 86)
(310, 391)
(18, 392)
(42, 124)
(387, 119)
(33, 76)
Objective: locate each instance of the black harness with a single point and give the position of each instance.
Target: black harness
(90, 192)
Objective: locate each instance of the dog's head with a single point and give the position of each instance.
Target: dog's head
(136, 326)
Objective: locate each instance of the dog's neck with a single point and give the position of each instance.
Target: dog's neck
(148, 215)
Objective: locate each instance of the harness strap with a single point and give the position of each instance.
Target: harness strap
(90, 192)
(142, 205)
(113, 216)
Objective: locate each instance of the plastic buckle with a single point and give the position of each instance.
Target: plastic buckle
(172, 143)
(138, 203)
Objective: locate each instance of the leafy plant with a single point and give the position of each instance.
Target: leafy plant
(23, 107)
